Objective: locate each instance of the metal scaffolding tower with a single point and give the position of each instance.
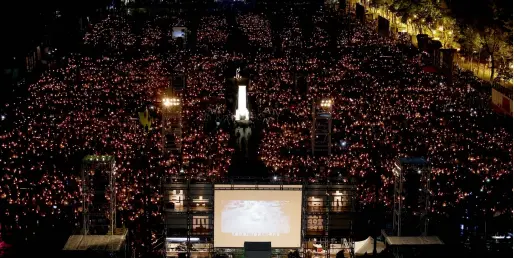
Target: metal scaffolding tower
(188, 210)
(99, 195)
(172, 122)
(332, 203)
(178, 82)
(321, 132)
(411, 201)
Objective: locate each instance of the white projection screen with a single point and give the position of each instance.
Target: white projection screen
(257, 216)
(179, 32)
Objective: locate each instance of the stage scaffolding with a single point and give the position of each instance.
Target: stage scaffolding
(327, 215)
(99, 195)
(411, 196)
(172, 121)
(188, 209)
(321, 131)
(328, 210)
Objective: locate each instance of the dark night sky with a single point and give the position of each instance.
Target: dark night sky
(479, 10)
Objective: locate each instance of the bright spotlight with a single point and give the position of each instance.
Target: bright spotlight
(326, 103)
(168, 102)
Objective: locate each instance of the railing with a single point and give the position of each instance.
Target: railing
(257, 180)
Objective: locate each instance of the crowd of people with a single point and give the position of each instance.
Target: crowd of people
(256, 28)
(90, 106)
(111, 32)
(212, 32)
(384, 107)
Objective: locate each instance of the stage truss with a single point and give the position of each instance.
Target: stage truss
(321, 131)
(327, 215)
(401, 170)
(99, 195)
(172, 122)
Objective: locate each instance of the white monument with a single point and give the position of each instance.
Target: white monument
(242, 116)
(242, 113)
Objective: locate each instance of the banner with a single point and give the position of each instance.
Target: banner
(383, 26)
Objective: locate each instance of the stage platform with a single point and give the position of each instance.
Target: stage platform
(102, 243)
(206, 255)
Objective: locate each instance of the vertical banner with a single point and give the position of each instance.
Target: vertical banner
(447, 65)
(383, 26)
(422, 41)
(38, 51)
(438, 59)
(360, 12)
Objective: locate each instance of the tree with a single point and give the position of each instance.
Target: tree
(494, 41)
(450, 30)
(381, 4)
(470, 40)
(423, 13)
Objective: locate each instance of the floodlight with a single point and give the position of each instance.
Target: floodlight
(168, 102)
(326, 103)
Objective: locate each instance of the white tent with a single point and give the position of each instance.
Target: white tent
(366, 246)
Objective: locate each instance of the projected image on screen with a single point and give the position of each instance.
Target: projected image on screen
(179, 32)
(254, 218)
(257, 215)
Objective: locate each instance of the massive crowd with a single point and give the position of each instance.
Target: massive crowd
(90, 106)
(212, 32)
(256, 28)
(384, 103)
(386, 106)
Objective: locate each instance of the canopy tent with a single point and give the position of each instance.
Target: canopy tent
(366, 246)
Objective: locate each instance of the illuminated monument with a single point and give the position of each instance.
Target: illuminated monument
(242, 113)
(242, 117)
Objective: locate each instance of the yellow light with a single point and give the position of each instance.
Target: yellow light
(326, 103)
(167, 102)
(441, 28)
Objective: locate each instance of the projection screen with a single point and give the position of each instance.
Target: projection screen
(257, 216)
